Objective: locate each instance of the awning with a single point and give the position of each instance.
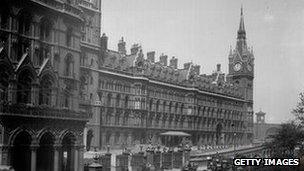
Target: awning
(176, 133)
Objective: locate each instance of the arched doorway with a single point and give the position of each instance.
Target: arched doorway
(21, 153)
(45, 153)
(67, 153)
(219, 128)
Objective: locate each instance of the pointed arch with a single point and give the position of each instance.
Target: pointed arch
(19, 130)
(44, 131)
(26, 76)
(67, 133)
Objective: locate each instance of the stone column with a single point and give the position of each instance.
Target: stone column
(80, 159)
(76, 157)
(85, 131)
(33, 148)
(57, 149)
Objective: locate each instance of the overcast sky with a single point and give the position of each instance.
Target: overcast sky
(202, 31)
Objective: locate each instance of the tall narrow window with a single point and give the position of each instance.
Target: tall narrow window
(45, 92)
(69, 65)
(69, 37)
(24, 23)
(56, 62)
(127, 102)
(109, 100)
(45, 29)
(117, 103)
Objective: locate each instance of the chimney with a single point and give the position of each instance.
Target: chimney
(197, 69)
(173, 62)
(218, 67)
(122, 46)
(104, 42)
(187, 65)
(163, 59)
(151, 56)
(134, 49)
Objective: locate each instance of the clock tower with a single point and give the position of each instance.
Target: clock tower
(241, 63)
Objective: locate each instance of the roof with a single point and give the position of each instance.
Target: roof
(176, 133)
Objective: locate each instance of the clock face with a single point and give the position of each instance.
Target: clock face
(237, 67)
(249, 67)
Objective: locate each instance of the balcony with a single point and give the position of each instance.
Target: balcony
(22, 110)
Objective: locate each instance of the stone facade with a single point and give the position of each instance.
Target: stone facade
(42, 112)
(138, 98)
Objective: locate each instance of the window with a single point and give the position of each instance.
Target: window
(69, 37)
(69, 65)
(157, 106)
(109, 100)
(137, 103)
(45, 29)
(24, 87)
(24, 26)
(56, 62)
(45, 92)
(66, 100)
(117, 103)
(4, 19)
(127, 102)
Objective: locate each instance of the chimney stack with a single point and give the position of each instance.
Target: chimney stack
(122, 46)
(134, 49)
(173, 62)
(163, 59)
(218, 67)
(187, 65)
(197, 69)
(104, 42)
(151, 56)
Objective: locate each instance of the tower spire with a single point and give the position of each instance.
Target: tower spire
(241, 44)
(241, 31)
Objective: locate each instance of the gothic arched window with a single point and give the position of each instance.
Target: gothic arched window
(24, 25)
(69, 65)
(45, 29)
(45, 92)
(24, 86)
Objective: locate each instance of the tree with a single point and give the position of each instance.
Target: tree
(289, 136)
(299, 110)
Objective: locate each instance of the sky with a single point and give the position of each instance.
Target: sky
(202, 31)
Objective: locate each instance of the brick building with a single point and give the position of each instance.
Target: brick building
(139, 98)
(42, 115)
